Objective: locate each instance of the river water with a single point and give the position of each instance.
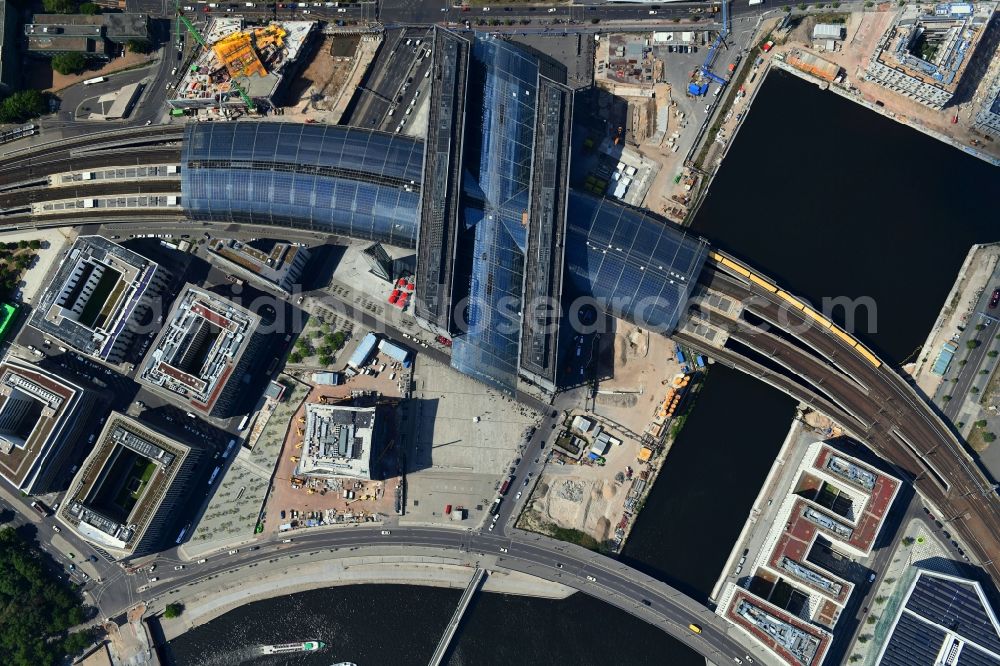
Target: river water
(826, 197)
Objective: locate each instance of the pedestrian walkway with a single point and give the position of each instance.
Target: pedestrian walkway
(449, 631)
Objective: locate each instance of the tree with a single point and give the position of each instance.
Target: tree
(325, 360)
(907, 541)
(992, 353)
(946, 398)
(35, 244)
(22, 245)
(988, 437)
(59, 6)
(974, 390)
(21, 106)
(76, 643)
(38, 607)
(871, 619)
(864, 638)
(89, 9)
(855, 658)
(338, 340)
(980, 327)
(295, 357)
(69, 63)
(173, 610)
(139, 46)
(881, 599)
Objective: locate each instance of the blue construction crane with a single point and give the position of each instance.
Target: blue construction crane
(706, 67)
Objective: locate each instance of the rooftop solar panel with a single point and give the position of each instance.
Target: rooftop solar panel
(913, 643)
(956, 606)
(973, 656)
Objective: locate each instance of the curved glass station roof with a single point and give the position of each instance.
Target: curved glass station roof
(334, 179)
(637, 267)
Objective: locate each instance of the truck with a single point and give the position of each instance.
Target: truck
(506, 485)
(42, 510)
(756, 2)
(98, 79)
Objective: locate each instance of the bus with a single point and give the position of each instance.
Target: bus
(215, 473)
(244, 422)
(98, 79)
(229, 448)
(180, 537)
(40, 507)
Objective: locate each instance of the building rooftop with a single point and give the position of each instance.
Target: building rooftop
(98, 288)
(123, 25)
(199, 348)
(119, 488)
(280, 266)
(835, 504)
(798, 643)
(36, 408)
(337, 441)
(934, 47)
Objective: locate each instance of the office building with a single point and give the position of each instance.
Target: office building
(206, 346)
(126, 495)
(925, 53)
(43, 421)
(338, 441)
(100, 298)
(280, 267)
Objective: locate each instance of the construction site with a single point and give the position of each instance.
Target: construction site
(604, 460)
(658, 93)
(241, 69)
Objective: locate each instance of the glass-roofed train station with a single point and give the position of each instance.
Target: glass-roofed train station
(484, 200)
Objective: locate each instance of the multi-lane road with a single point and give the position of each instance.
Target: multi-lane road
(589, 572)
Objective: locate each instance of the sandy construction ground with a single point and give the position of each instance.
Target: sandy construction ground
(643, 361)
(582, 497)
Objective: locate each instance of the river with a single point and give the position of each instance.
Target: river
(826, 197)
